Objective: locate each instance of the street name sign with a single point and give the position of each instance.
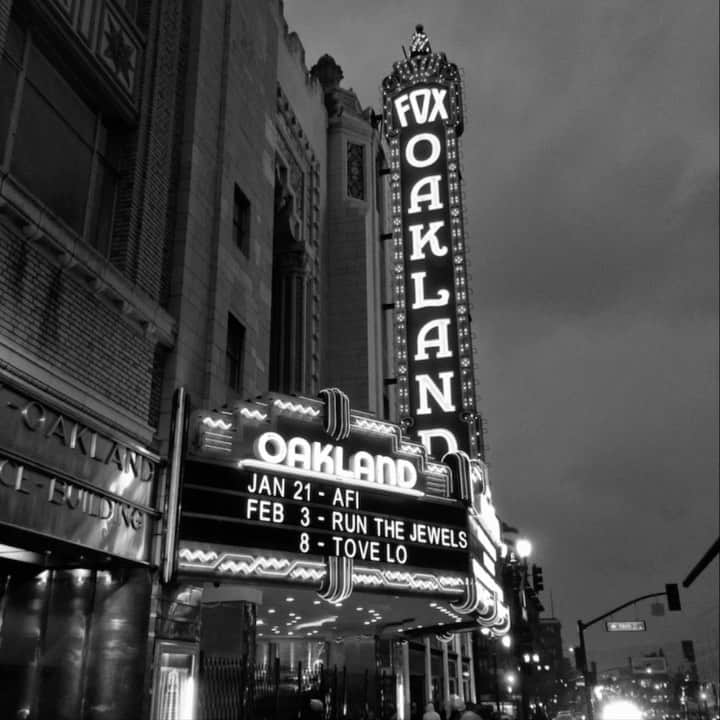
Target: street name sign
(626, 626)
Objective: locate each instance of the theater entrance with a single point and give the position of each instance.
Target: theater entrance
(274, 651)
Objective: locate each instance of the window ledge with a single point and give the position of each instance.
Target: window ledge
(67, 250)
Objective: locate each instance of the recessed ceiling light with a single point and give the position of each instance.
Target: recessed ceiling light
(259, 622)
(291, 614)
(367, 622)
(359, 609)
(289, 599)
(316, 602)
(290, 632)
(271, 611)
(433, 604)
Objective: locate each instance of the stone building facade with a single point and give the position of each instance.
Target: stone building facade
(183, 202)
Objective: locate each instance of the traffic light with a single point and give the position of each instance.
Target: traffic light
(673, 596)
(592, 673)
(688, 649)
(537, 578)
(580, 660)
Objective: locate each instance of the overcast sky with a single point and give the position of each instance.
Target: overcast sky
(590, 160)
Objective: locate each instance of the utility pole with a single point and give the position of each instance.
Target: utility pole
(587, 690)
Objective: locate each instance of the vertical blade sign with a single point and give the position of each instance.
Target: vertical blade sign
(422, 110)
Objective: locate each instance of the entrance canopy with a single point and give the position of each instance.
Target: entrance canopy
(284, 612)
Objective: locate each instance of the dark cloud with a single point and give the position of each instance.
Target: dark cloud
(591, 180)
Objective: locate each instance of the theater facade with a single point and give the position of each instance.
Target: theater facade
(324, 538)
(331, 552)
(240, 457)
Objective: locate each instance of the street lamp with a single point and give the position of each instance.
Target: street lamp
(523, 547)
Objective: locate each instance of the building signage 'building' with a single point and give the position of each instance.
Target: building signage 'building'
(64, 478)
(423, 119)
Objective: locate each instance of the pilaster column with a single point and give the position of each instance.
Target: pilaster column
(458, 666)
(428, 671)
(446, 673)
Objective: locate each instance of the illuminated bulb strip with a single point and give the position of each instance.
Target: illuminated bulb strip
(223, 438)
(296, 408)
(437, 469)
(250, 569)
(374, 577)
(217, 445)
(253, 414)
(375, 426)
(195, 555)
(412, 449)
(249, 565)
(219, 423)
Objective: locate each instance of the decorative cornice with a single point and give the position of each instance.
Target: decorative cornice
(67, 250)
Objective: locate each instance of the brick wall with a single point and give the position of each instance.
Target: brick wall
(140, 238)
(52, 314)
(5, 6)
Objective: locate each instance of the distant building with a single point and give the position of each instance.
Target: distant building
(550, 643)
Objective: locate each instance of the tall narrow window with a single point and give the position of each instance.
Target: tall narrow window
(356, 171)
(241, 221)
(62, 151)
(234, 354)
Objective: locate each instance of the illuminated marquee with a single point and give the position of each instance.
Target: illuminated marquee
(307, 491)
(423, 118)
(283, 479)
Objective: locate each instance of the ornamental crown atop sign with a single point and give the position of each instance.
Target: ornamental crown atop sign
(419, 42)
